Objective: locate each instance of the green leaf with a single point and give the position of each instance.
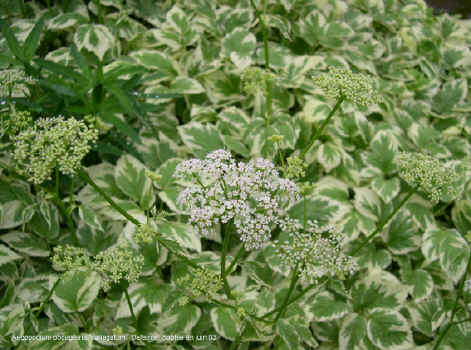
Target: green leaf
(89, 216)
(77, 290)
(13, 43)
(7, 255)
(352, 332)
(45, 222)
(226, 322)
(288, 333)
(450, 248)
(180, 320)
(13, 214)
(32, 41)
(131, 179)
(145, 293)
(421, 281)
(26, 243)
(402, 237)
(183, 234)
(449, 96)
(461, 215)
(386, 189)
(156, 60)
(185, 85)
(329, 155)
(200, 138)
(95, 38)
(324, 307)
(389, 330)
(322, 210)
(239, 46)
(114, 119)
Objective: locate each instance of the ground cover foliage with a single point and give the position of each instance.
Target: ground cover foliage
(276, 174)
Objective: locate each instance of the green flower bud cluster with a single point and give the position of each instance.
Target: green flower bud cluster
(113, 264)
(153, 176)
(357, 88)
(427, 174)
(70, 258)
(275, 138)
(317, 252)
(202, 282)
(17, 121)
(145, 233)
(294, 168)
(12, 82)
(52, 142)
(255, 80)
(98, 124)
(117, 263)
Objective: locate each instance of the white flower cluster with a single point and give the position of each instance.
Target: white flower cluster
(427, 174)
(252, 194)
(50, 142)
(318, 251)
(357, 88)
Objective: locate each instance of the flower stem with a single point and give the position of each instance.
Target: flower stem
(294, 279)
(297, 297)
(130, 306)
(267, 58)
(455, 307)
(323, 125)
(44, 303)
(225, 244)
(238, 255)
(380, 227)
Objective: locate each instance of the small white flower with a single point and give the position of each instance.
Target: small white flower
(252, 194)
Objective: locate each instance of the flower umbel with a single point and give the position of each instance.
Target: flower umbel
(255, 80)
(317, 251)
(201, 282)
(428, 174)
(355, 87)
(252, 194)
(117, 263)
(51, 142)
(70, 258)
(113, 264)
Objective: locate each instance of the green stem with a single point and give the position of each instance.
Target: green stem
(97, 188)
(21, 4)
(238, 255)
(44, 303)
(296, 298)
(294, 279)
(323, 125)
(455, 307)
(130, 306)
(380, 227)
(225, 245)
(267, 58)
(48, 297)
(58, 195)
(71, 196)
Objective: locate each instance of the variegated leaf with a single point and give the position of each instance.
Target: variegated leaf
(131, 179)
(77, 290)
(239, 46)
(449, 248)
(200, 138)
(389, 330)
(95, 38)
